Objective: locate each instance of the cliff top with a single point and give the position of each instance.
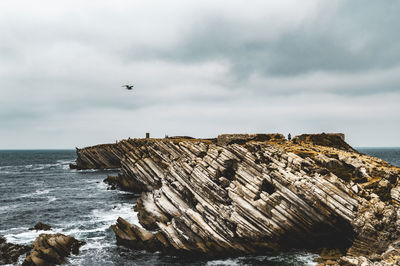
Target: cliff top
(333, 140)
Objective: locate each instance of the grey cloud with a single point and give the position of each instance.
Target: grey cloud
(356, 36)
(199, 69)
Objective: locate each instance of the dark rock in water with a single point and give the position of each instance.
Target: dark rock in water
(138, 238)
(9, 252)
(41, 226)
(122, 182)
(73, 166)
(51, 249)
(252, 193)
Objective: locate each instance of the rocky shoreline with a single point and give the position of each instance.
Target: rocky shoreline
(9, 252)
(46, 250)
(254, 193)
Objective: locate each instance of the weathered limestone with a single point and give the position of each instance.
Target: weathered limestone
(51, 249)
(257, 193)
(104, 156)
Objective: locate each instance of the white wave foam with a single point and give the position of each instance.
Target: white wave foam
(98, 170)
(4, 208)
(97, 243)
(65, 167)
(37, 192)
(60, 164)
(65, 161)
(46, 166)
(24, 237)
(41, 192)
(51, 199)
(109, 216)
(229, 262)
(307, 259)
(101, 185)
(100, 221)
(20, 260)
(87, 170)
(76, 232)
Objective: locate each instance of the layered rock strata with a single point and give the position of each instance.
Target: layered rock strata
(251, 194)
(105, 156)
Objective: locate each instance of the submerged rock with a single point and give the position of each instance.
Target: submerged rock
(51, 249)
(245, 194)
(9, 253)
(41, 226)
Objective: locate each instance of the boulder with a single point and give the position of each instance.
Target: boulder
(9, 253)
(51, 249)
(41, 226)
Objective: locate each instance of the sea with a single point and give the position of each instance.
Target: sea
(37, 185)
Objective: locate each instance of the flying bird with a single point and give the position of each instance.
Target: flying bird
(128, 87)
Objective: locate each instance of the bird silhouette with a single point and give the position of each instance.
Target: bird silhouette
(128, 87)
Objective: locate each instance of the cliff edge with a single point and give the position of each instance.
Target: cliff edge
(241, 194)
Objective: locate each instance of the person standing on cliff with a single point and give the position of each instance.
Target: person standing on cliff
(289, 137)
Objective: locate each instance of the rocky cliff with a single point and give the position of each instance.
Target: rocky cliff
(104, 156)
(255, 193)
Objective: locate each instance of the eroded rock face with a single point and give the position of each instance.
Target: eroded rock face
(51, 249)
(9, 253)
(333, 140)
(138, 238)
(255, 195)
(104, 156)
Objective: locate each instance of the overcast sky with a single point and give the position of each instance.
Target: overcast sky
(200, 68)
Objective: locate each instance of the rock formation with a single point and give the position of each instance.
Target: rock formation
(51, 249)
(105, 156)
(241, 194)
(41, 226)
(9, 252)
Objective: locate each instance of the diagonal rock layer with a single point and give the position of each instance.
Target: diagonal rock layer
(255, 193)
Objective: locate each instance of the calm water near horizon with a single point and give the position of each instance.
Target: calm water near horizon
(37, 185)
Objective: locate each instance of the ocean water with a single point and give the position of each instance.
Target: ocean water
(391, 155)
(39, 186)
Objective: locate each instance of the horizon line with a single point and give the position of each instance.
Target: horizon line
(72, 149)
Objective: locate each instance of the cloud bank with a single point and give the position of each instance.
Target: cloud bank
(200, 68)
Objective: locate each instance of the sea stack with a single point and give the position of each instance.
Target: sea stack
(254, 193)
